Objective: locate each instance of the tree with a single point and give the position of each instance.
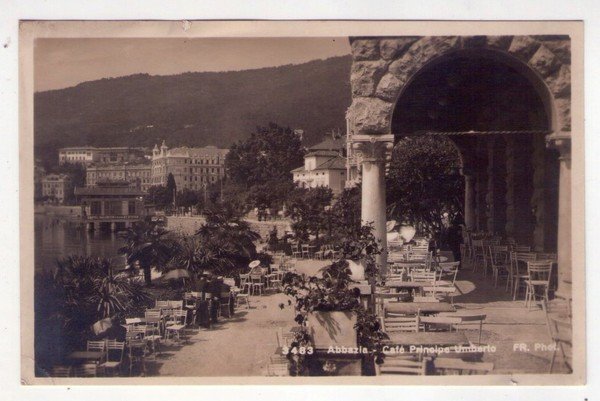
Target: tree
(264, 161)
(81, 291)
(149, 244)
(423, 181)
(306, 208)
(76, 173)
(171, 187)
(345, 214)
(226, 242)
(188, 198)
(159, 196)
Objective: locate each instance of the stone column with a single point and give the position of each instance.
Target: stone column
(510, 187)
(489, 197)
(562, 142)
(375, 151)
(469, 201)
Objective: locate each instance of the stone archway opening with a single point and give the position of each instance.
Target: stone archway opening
(498, 120)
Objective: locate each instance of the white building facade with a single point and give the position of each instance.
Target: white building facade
(192, 168)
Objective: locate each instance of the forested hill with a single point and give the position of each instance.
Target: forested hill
(196, 109)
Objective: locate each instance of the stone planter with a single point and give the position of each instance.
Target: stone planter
(333, 329)
(335, 344)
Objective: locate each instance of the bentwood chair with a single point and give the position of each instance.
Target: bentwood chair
(538, 280)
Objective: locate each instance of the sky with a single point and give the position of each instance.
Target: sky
(61, 63)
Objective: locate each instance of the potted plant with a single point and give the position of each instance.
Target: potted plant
(330, 312)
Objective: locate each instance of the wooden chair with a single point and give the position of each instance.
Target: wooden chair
(257, 284)
(152, 335)
(242, 298)
(160, 304)
(85, 370)
(114, 356)
(562, 337)
(522, 248)
(539, 274)
(471, 319)
(455, 366)
(448, 271)
(400, 365)
(137, 355)
(98, 346)
(224, 306)
(423, 277)
(547, 256)
(478, 255)
(306, 251)
(499, 259)
(278, 366)
(245, 283)
(284, 339)
(175, 325)
(296, 250)
(392, 322)
(61, 371)
(517, 275)
(320, 254)
(176, 304)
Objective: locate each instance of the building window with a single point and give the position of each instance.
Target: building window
(95, 208)
(131, 207)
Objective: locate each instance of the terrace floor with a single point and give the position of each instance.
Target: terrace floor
(243, 344)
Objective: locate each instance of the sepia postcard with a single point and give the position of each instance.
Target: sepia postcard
(302, 202)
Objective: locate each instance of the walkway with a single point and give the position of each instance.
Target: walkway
(242, 345)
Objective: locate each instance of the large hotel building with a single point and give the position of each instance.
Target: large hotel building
(192, 168)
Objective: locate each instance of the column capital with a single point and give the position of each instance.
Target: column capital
(560, 141)
(373, 147)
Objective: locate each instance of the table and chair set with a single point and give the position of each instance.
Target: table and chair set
(530, 276)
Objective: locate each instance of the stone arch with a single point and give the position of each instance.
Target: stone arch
(382, 68)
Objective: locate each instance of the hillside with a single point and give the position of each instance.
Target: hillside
(207, 108)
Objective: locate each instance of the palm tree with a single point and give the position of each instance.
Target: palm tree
(148, 244)
(226, 241)
(91, 291)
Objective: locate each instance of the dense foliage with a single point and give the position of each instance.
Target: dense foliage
(193, 109)
(262, 165)
(308, 210)
(77, 294)
(424, 182)
(150, 245)
(332, 292)
(225, 243)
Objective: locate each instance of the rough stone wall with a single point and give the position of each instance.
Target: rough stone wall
(382, 67)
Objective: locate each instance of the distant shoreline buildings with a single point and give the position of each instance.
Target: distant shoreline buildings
(87, 155)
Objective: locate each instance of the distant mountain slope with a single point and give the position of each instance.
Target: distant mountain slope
(216, 108)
